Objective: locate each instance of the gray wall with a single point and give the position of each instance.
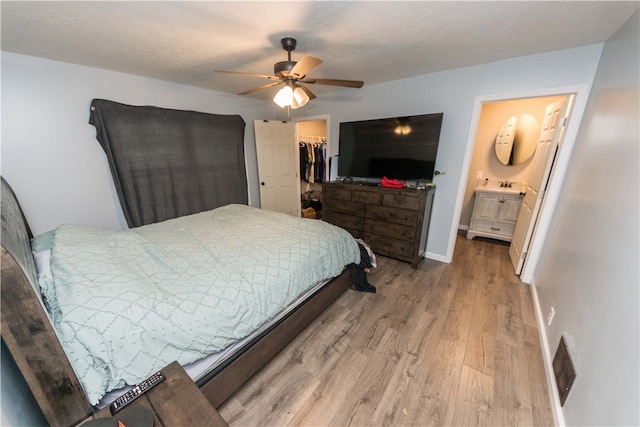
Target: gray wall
(453, 93)
(589, 269)
(50, 155)
(47, 144)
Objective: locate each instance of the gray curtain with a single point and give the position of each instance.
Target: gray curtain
(168, 163)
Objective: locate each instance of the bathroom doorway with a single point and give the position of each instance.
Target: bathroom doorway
(480, 157)
(485, 163)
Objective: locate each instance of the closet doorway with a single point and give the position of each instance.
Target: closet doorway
(313, 163)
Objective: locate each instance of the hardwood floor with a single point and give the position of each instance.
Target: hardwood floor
(446, 344)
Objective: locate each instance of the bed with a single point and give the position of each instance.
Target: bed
(28, 331)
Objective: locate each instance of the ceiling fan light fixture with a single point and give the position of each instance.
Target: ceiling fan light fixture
(284, 97)
(289, 73)
(300, 97)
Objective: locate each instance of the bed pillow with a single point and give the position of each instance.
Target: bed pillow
(41, 248)
(43, 242)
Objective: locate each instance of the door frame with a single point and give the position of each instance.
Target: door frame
(555, 179)
(324, 117)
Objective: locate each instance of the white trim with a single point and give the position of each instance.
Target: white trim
(436, 257)
(554, 396)
(462, 183)
(555, 181)
(324, 117)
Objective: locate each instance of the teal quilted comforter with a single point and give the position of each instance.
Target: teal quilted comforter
(127, 303)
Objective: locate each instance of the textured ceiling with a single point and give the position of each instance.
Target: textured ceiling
(183, 42)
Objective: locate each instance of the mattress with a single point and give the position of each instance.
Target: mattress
(200, 369)
(127, 303)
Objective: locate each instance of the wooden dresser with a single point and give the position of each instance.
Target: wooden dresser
(394, 222)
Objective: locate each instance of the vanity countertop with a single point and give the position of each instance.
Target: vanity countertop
(495, 188)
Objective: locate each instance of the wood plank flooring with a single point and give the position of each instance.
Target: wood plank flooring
(444, 345)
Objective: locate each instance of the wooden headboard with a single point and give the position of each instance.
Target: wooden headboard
(26, 329)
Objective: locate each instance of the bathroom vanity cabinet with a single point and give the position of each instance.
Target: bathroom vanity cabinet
(495, 213)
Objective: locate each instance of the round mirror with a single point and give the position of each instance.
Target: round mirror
(517, 139)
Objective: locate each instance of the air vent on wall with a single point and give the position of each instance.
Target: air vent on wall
(563, 370)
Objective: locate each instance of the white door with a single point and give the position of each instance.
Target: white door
(277, 163)
(555, 120)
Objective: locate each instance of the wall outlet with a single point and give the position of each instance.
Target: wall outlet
(479, 175)
(552, 313)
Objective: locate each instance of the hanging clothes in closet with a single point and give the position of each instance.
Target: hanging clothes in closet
(313, 152)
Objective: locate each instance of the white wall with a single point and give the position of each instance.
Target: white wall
(589, 268)
(50, 154)
(453, 93)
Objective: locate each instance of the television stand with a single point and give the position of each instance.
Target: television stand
(393, 221)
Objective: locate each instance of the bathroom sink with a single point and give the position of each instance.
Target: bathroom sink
(515, 189)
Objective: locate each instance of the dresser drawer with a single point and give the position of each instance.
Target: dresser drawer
(387, 229)
(401, 201)
(348, 222)
(388, 246)
(394, 215)
(345, 207)
(337, 193)
(367, 197)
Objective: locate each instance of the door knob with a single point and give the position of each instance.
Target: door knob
(262, 183)
(438, 173)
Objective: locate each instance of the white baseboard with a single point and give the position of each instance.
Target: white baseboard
(556, 407)
(436, 257)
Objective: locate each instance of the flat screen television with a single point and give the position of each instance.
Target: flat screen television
(402, 148)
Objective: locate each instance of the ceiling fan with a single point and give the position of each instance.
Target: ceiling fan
(292, 75)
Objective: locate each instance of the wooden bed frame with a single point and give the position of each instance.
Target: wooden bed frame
(34, 346)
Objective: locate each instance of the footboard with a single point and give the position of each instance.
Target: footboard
(219, 387)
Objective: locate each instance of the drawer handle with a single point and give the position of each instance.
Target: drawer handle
(495, 228)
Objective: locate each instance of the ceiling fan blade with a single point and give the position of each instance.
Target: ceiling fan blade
(255, 89)
(303, 66)
(335, 82)
(307, 91)
(243, 73)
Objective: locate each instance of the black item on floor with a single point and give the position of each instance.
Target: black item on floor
(359, 272)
